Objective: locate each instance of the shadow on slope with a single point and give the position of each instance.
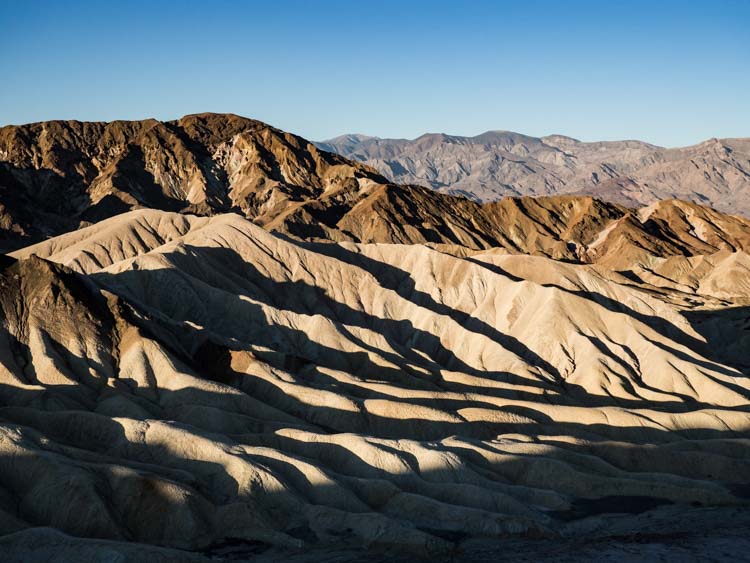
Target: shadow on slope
(717, 327)
(418, 356)
(176, 489)
(337, 473)
(616, 475)
(726, 333)
(229, 277)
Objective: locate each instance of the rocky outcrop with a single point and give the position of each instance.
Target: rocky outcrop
(59, 175)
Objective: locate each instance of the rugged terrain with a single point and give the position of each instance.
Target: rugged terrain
(62, 175)
(185, 381)
(316, 363)
(501, 163)
(59, 175)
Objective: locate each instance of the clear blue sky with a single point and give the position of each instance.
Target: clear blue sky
(668, 72)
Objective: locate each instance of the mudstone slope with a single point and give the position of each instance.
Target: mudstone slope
(358, 366)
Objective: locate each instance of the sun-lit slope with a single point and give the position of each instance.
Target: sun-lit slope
(572, 229)
(56, 176)
(120, 238)
(218, 381)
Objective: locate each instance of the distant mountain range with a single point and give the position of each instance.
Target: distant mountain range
(502, 163)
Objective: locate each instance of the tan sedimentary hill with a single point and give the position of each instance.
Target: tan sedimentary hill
(179, 381)
(501, 163)
(577, 229)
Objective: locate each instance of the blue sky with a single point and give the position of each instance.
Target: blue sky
(672, 73)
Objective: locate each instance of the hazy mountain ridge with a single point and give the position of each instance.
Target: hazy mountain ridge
(501, 163)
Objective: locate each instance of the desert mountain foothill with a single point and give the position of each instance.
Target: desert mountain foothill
(221, 341)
